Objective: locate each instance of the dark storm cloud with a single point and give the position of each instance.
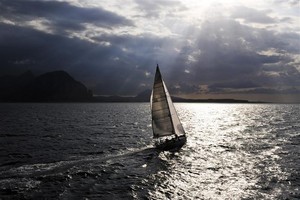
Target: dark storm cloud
(226, 52)
(259, 90)
(133, 57)
(235, 84)
(266, 90)
(290, 42)
(182, 88)
(289, 76)
(230, 56)
(93, 63)
(39, 49)
(60, 16)
(136, 48)
(216, 55)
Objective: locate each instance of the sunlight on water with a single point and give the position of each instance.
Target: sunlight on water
(230, 154)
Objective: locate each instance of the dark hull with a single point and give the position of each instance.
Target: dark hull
(173, 144)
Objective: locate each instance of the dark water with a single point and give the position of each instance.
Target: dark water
(104, 151)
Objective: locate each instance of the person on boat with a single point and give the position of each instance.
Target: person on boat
(176, 137)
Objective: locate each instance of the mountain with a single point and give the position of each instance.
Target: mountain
(178, 99)
(141, 97)
(57, 86)
(145, 97)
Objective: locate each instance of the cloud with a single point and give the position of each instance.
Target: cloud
(252, 15)
(154, 9)
(290, 2)
(227, 55)
(38, 48)
(238, 84)
(227, 50)
(272, 91)
(90, 62)
(60, 16)
(113, 54)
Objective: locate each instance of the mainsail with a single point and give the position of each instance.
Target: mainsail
(165, 121)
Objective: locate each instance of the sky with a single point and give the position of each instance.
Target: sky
(243, 49)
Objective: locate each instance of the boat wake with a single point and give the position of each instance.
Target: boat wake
(69, 175)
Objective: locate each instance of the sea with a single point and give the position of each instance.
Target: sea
(105, 151)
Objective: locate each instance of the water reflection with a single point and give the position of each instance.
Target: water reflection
(231, 153)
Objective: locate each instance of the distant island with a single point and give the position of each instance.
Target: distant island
(59, 86)
(145, 97)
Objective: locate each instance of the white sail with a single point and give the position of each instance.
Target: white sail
(165, 121)
(177, 126)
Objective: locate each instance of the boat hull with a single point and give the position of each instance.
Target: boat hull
(173, 144)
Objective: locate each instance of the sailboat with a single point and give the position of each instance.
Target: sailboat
(167, 129)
